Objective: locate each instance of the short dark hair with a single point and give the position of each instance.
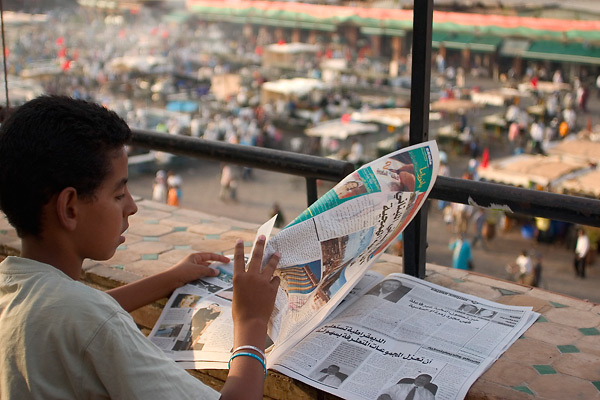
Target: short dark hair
(51, 143)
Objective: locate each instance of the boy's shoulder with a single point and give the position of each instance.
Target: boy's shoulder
(41, 291)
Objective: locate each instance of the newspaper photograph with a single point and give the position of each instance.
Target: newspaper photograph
(401, 334)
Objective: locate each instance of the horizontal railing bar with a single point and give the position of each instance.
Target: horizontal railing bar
(535, 203)
(251, 156)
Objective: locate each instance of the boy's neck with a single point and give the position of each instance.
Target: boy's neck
(53, 255)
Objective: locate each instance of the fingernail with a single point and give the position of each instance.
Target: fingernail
(239, 241)
(261, 238)
(277, 254)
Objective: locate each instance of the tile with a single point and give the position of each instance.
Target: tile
(589, 345)
(150, 238)
(511, 373)
(561, 300)
(585, 366)
(573, 317)
(544, 369)
(150, 247)
(557, 386)
(483, 389)
(181, 239)
(589, 331)
(523, 389)
(144, 229)
(180, 228)
(217, 246)
(529, 351)
(557, 305)
(596, 384)
(568, 348)
(246, 236)
(146, 267)
(149, 256)
(554, 334)
(123, 258)
(210, 229)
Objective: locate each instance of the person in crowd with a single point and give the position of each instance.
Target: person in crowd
(175, 193)
(582, 248)
(229, 183)
(159, 187)
(280, 220)
(525, 268)
(63, 186)
(462, 257)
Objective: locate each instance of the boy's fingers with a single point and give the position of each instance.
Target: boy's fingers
(271, 265)
(206, 257)
(257, 255)
(238, 257)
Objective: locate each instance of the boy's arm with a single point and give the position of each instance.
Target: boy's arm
(254, 291)
(145, 291)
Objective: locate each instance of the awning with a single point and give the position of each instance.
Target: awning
(564, 52)
(475, 43)
(514, 47)
(371, 30)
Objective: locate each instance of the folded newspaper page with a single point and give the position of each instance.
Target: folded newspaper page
(396, 334)
(328, 248)
(325, 252)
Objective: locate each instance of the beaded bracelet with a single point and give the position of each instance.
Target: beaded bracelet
(249, 355)
(248, 347)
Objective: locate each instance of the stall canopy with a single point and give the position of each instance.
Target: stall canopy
(339, 129)
(585, 184)
(563, 52)
(530, 171)
(395, 22)
(475, 43)
(577, 149)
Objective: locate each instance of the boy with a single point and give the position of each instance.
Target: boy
(63, 186)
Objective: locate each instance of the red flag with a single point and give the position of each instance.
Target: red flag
(60, 41)
(485, 158)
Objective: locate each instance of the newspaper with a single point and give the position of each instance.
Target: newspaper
(326, 254)
(379, 342)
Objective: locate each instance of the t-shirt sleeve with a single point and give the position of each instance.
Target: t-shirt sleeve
(122, 360)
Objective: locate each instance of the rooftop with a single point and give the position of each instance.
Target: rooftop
(558, 357)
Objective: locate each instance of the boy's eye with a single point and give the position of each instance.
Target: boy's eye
(121, 196)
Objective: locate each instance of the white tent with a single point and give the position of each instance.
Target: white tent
(337, 129)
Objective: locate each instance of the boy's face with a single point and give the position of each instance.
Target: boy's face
(103, 219)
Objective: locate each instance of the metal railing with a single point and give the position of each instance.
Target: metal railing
(578, 210)
(527, 202)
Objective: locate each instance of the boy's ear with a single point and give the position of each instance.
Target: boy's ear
(66, 208)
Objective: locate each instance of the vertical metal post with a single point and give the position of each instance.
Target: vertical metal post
(415, 234)
(4, 54)
(311, 190)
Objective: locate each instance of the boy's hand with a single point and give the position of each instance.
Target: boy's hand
(195, 266)
(254, 290)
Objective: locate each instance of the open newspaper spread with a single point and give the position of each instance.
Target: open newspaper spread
(326, 252)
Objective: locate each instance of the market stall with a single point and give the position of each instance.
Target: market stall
(288, 55)
(288, 89)
(529, 171)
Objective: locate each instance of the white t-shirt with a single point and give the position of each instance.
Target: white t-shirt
(60, 339)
